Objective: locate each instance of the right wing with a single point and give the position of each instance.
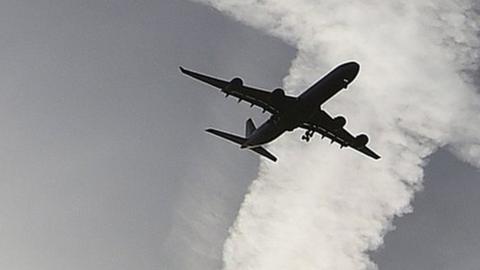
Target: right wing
(261, 98)
(320, 124)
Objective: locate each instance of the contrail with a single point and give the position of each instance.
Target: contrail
(322, 208)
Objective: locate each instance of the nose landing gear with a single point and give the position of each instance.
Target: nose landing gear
(308, 135)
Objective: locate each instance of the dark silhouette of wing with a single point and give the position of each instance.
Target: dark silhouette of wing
(323, 124)
(258, 97)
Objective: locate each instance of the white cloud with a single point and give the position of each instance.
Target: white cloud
(321, 208)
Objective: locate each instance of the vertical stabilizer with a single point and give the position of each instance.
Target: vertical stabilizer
(249, 127)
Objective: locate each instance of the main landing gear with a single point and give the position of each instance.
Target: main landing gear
(308, 135)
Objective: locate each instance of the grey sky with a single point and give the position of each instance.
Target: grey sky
(443, 231)
(104, 161)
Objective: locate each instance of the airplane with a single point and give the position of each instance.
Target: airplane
(289, 112)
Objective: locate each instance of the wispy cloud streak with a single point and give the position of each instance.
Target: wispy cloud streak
(321, 208)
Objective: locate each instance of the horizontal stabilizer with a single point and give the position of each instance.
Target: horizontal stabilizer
(239, 140)
(227, 136)
(367, 151)
(262, 151)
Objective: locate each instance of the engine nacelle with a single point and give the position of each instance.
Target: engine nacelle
(278, 92)
(278, 95)
(235, 83)
(339, 122)
(361, 140)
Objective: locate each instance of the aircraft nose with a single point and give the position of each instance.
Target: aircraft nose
(353, 67)
(351, 70)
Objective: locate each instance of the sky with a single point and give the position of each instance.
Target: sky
(105, 164)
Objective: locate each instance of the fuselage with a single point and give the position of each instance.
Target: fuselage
(305, 106)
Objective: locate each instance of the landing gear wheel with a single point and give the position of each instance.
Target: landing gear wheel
(308, 134)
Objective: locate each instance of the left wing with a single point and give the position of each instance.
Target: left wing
(261, 98)
(323, 123)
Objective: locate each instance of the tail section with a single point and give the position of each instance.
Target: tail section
(233, 138)
(239, 140)
(262, 151)
(249, 127)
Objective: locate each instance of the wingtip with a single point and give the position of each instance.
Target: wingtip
(181, 69)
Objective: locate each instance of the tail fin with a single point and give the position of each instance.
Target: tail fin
(239, 140)
(249, 127)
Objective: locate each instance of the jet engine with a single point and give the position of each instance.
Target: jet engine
(278, 92)
(361, 140)
(235, 83)
(278, 95)
(339, 122)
